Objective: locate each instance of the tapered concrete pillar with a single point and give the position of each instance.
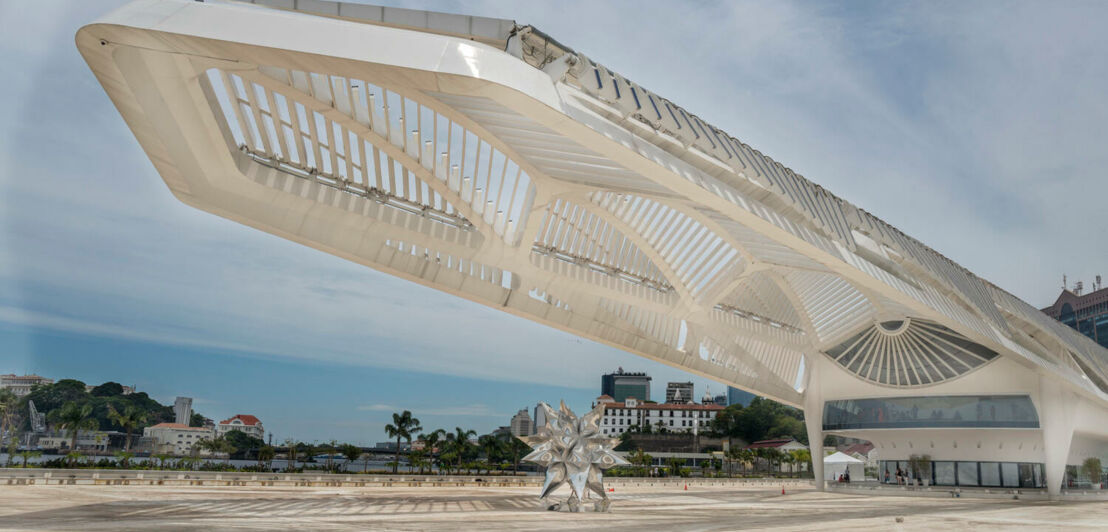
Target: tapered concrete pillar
(1057, 409)
(813, 419)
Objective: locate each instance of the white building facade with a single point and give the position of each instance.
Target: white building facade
(550, 187)
(21, 385)
(245, 423)
(672, 417)
(176, 438)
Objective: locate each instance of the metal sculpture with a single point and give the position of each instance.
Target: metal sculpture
(574, 452)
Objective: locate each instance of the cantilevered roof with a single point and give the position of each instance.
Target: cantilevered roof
(483, 158)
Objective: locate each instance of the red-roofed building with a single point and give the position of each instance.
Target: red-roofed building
(863, 451)
(620, 417)
(245, 423)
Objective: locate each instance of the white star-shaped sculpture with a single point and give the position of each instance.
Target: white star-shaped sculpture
(573, 451)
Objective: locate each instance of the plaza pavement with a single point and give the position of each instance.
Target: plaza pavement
(93, 508)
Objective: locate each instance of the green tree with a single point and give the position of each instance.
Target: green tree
(108, 389)
(403, 426)
(351, 452)
(130, 419)
(219, 445)
(73, 418)
(243, 442)
(726, 423)
(491, 447)
(197, 420)
(1093, 470)
(676, 465)
(639, 458)
(265, 455)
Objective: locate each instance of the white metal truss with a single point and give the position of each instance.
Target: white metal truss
(484, 159)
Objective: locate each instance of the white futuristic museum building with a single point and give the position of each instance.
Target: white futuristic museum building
(485, 159)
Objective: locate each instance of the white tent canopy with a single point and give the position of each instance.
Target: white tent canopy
(838, 463)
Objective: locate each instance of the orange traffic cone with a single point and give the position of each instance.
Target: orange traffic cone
(782, 489)
(686, 487)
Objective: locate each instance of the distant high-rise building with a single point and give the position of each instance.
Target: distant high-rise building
(679, 393)
(736, 396)
(621, 385)
(539, 420)
(1088, 313)
(182, 410)
(521, 424)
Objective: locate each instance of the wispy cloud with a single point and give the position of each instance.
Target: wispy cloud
(378, 408)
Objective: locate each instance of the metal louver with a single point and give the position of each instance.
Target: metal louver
(909, 352)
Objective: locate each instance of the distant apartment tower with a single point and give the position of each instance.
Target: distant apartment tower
(182, 410)
(521, 424)
(1088, 313)
(679, 393)
(621, 385)
(539, 421)
(21, 385)
(736, 396)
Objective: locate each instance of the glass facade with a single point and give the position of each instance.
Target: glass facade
(969, 474)
(969, 411)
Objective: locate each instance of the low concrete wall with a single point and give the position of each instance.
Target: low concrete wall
(968, 492)
(114, 477)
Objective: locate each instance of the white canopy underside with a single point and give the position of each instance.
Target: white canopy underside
(525, 177)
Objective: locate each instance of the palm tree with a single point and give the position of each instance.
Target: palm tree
(459, 445)
(27, 455)
(130, 419)
(431, 442)
(802, 456)
(788, 458)
(641, 459)
(515, 449)
(291, 446)
(124, 458)
(491, 446)
(402, 427)
(73, 418)
(73, 457)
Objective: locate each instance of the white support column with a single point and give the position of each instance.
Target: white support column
(1057, 408)
(813, 419)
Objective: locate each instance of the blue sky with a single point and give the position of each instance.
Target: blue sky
(978, 128)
